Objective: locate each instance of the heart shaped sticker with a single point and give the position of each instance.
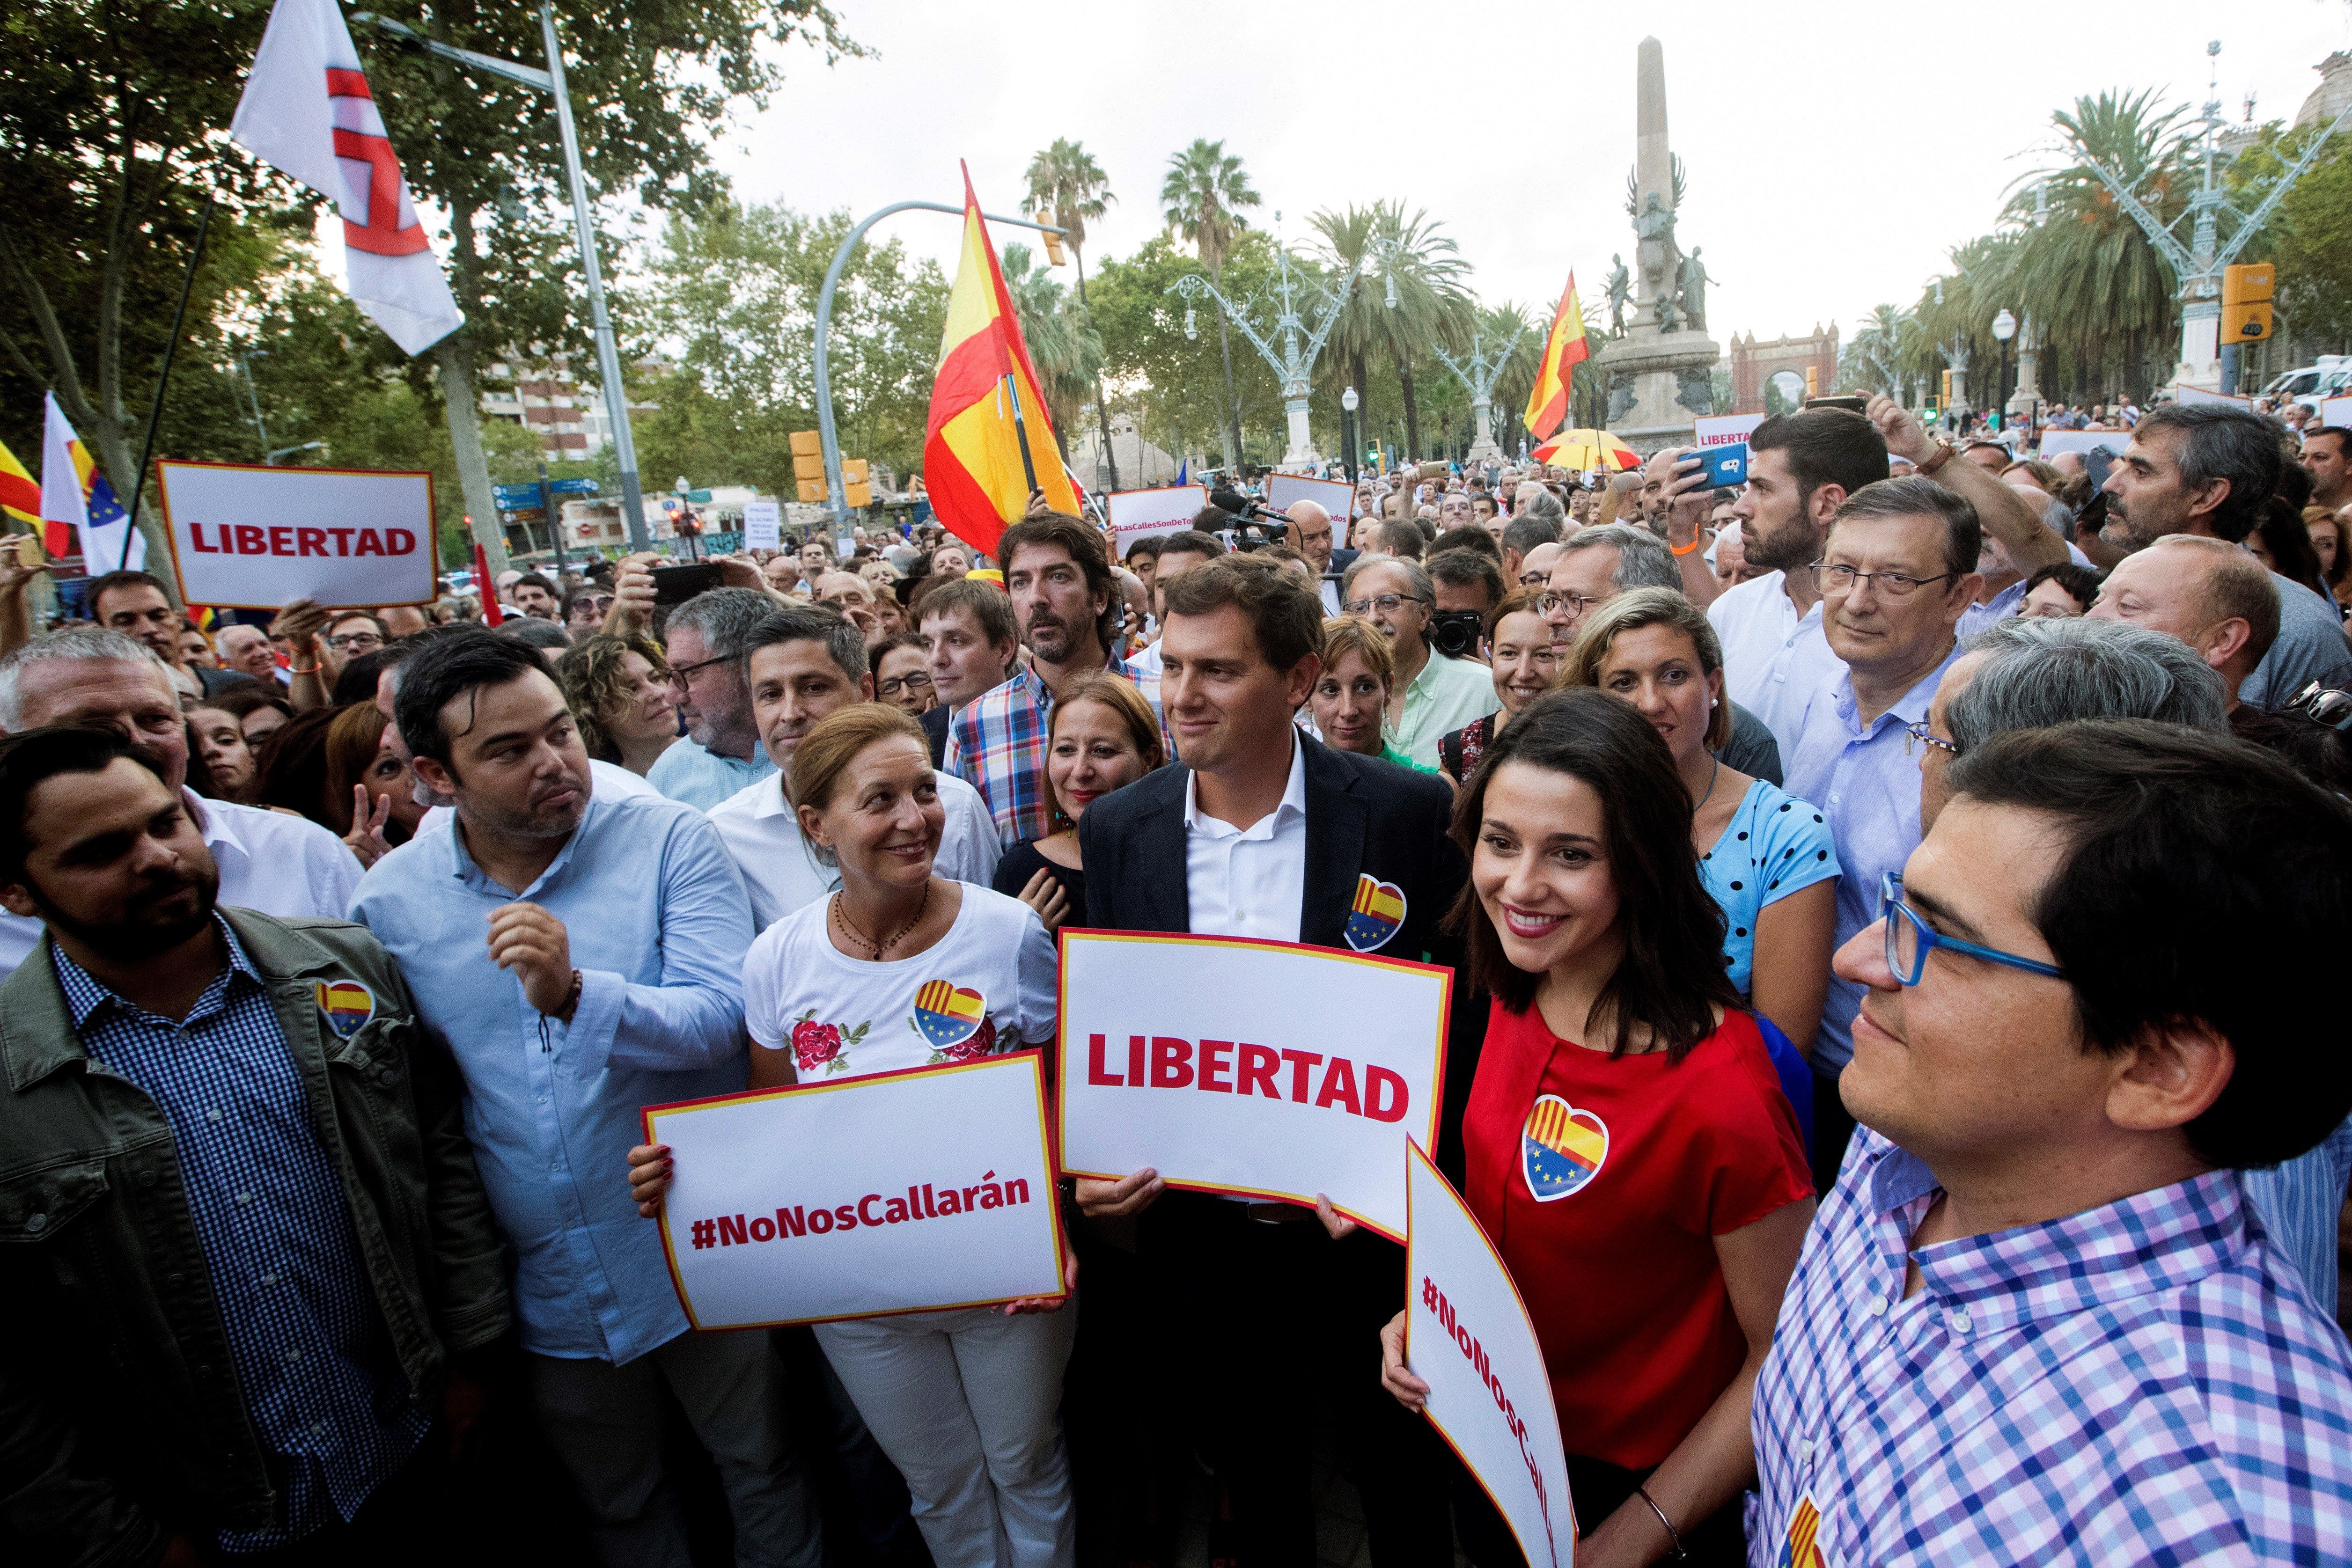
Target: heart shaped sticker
(946, 1013)
(1561, 1148)
(1375, 914)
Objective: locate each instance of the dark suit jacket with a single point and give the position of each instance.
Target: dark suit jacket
(1364, 817)
(1341, 560)
(935, 723)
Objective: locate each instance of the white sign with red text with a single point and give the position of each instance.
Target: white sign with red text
(1152, 513)
(1336, 497)
(1469, 1336)
(1724, 429)
(1265, 1069)
(901, 1192)
(255, 537)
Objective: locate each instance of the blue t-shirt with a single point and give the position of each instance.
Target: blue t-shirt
(1776, 844)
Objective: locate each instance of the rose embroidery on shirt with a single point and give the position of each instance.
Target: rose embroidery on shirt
(815, 1044)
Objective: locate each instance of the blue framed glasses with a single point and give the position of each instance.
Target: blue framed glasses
(1910, 939)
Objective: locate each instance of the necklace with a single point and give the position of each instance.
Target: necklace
(875, 949)
(1713, 774)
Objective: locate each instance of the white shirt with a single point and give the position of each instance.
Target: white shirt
(1249, 881)
(783, 872)
(1145, 663)
(606, 781)
(985, 987)
(1774, 660)
(268, 861)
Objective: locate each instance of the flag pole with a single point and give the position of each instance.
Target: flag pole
(1021, 431)
(156, 408)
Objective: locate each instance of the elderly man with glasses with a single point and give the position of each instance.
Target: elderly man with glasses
(1433, 696)
(1895, 573)
(721, 753)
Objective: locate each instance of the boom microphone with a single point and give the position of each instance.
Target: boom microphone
(1242, 506)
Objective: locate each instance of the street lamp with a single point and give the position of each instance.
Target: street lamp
(2004, 326)
(1347, 401)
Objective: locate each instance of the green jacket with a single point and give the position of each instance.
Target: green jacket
(120, 1415)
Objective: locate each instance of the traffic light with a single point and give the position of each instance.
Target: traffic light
(855, 480)
(2246, 302)
(1054, 252)
(1948, 389)
(1812, 381)
(1932, 413)
(808, 466)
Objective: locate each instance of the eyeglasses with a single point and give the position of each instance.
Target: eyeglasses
(1386, 603)
(599, 601)
(1909, 940)
(677, 673)
(2322, 706)
(1529, 578)
(1574, 603)
(917, 681)
(1919, 731)
(1894, 584)
(350, 641)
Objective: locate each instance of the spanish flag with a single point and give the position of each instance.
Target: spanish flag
(971, 451)
(1548, 402)
(20, 493)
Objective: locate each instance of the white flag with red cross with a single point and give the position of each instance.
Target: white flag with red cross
(307, 110)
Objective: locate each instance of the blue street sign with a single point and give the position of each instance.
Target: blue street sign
(510, 496)
(574, 486)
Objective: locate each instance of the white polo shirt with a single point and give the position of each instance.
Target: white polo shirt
(783, 872)
(268, 861)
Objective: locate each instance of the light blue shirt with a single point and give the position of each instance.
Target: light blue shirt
(701, 778)
(2301, 1201)
(658, 923)
(1868, 787)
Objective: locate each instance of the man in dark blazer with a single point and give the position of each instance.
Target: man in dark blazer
(1314, 533)
(1263, 832)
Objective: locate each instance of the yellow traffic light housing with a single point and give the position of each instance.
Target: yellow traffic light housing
(1054, 251)
(2246, 302)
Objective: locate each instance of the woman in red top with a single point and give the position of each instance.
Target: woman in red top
(1629, 1149)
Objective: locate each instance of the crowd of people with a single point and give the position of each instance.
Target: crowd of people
(1916, 863)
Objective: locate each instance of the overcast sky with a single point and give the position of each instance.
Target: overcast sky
(1834, 151)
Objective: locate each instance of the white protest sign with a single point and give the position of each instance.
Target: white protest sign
(1265, 1068)
(1469, 1336)
(1336, 497)
(1725, 429)
(2188, 394)
(897, 1193)
(250, 538)
(762, 525)
(2054, 442)
(2336, 412)
(1152, 513)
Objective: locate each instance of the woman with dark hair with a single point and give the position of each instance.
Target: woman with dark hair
(373, 779)
(2280, 540)
(216, 739)
(294, 771)
(1101, 735)
(260, 713)
(1617, 1059)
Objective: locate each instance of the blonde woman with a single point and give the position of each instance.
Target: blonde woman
(1351, 696)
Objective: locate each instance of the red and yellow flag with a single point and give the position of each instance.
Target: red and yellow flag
(1548, 402)
(20, 493)
(972, 453)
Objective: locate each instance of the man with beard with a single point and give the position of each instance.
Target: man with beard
(240, 1191)
(581, 957)
(1066, 604)
(720, 752)
(2210, 469)
(268, 861)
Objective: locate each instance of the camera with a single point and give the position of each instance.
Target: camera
(1456, 632)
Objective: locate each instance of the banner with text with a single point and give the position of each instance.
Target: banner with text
(1469, 1336)
(1152, 513)
(1336, 497)
(249, 538)
(1724, 429)
(1263, 1068)
(903, 1192)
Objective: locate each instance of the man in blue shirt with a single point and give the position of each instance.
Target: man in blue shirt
(582, 959)
(720, 752)
(1897, 570)
(2037, 1320)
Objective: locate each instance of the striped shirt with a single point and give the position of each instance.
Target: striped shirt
(2143, 1382)
(313, 1359)
(2301, 1201)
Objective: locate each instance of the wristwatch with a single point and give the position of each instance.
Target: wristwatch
(1944, 451)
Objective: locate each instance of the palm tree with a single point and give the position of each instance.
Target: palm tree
(1200, 200)
(1421, 269)
(1063, 346)
(1884, 352)
(1066, 184)
(1359, 330)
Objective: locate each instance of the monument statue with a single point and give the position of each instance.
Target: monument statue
(1619, 286)
(1694, 290)
(1667, 320)
(1654, 228)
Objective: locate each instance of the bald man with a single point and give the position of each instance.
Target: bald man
(1313, 535)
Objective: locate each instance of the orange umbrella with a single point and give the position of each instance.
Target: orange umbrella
(1582, 451)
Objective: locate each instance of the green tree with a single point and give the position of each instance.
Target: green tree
(1068, 185)
(2305, 234)
(1171, 380)
(1200, 199)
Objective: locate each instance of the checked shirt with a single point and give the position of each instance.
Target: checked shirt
(2142, 1383)
(997, 744)
(312, 1357)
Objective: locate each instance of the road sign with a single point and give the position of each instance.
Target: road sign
(510, 496)
(574, 486)
(524, 514)
(700, 497)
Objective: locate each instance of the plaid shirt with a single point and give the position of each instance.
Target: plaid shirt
(312, 1357)
(2139, 1383)
(997, 744)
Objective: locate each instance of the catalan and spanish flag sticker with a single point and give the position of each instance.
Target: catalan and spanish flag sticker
(346, 1005)
(1804, 1550)
(1378, 910)
(1561, 1148)
(948, 1014)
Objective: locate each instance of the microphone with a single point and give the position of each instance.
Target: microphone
(1242, 506)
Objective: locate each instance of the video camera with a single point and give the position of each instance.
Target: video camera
(1255, 525)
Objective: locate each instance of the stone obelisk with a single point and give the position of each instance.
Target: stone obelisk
(1657, 373)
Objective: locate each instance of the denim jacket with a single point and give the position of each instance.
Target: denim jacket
(121, 1419)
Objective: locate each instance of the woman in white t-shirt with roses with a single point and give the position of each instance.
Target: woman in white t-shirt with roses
(901, 968)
